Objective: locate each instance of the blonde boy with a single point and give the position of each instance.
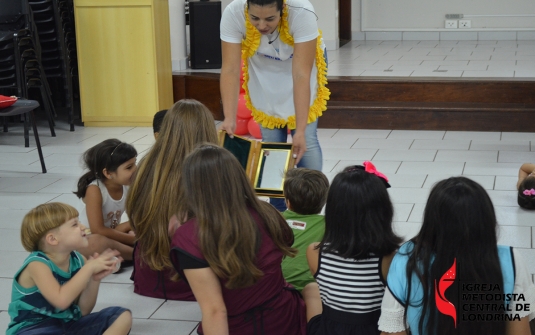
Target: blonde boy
(56, 288)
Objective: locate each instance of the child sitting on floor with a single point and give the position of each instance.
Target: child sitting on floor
(305, 192)
(351, 262)
(103, 191)
(526, 186)
(56, 288)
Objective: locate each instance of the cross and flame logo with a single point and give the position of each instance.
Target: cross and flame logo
(443, 305)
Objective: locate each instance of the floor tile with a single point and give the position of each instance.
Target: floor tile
(5, 292)
(60, 186)
(401, 180)
(405, 155)
(505, 183)
(498, 169)
(417, 213)
(406, 230)
(455, 168)
(509, 145)
(178, 310)
(337, 142)
(402, 212)
(466, 156)
(122, 295)
(4, 319)
(24, 185)
(380, 143)
(509, 136)
(515, 236)
(24, 200)
(527, 258)
(68, 198)
(358, 154)
(417, 134)
(408, 195)
(365, 133)
(11, 218)
(516, 157)
(441, 144)
(326, 132)
(329, 164)
(11, 240)
(472, 135)
(514, 216)
(143, 327)
(503, 198)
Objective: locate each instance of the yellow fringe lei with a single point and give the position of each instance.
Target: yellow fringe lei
(249, 46)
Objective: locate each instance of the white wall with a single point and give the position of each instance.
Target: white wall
(429, 15)
(327, 11)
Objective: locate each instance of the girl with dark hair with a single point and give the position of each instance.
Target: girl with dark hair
(351, 262)
(230, 250)
(284, 73)
(103, 191)
(526, 186)
(455, 257)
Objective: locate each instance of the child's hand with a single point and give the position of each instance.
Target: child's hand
(105, 262)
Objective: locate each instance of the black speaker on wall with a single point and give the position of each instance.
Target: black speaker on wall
(204, 41)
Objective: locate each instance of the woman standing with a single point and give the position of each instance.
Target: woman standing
(284, 71)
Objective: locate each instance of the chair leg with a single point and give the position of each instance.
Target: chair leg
(26, 131)
(48, 110)
(37, 142)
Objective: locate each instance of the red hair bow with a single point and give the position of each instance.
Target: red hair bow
(370, 168)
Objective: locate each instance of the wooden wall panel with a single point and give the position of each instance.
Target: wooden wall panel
(403, 103)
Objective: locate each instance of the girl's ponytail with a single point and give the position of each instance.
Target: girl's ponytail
(83, 183)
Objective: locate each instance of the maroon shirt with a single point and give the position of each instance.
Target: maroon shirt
(157, 284)
(270, 304)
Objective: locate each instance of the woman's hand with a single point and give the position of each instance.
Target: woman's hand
(299, 145)
(229, 126)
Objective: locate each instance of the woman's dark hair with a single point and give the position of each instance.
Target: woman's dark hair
(109, 155)
(266, 3)
(526, 201)
(358, 216)
(459, 225)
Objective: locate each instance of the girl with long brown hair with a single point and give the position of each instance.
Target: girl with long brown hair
(230, 250)
(153, 197)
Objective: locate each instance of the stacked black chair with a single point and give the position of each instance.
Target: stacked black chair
(55, 26)
(20, 65)
(26, 108)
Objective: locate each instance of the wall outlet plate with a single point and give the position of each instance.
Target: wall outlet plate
(464, 24)
(450, 24)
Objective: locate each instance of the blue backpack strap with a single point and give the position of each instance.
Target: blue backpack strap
(507, 264)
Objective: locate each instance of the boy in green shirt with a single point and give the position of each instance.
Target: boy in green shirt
(305, 191)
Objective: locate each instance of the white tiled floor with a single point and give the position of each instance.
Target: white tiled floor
(413, 160)
(466, 59)
(434, 59)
